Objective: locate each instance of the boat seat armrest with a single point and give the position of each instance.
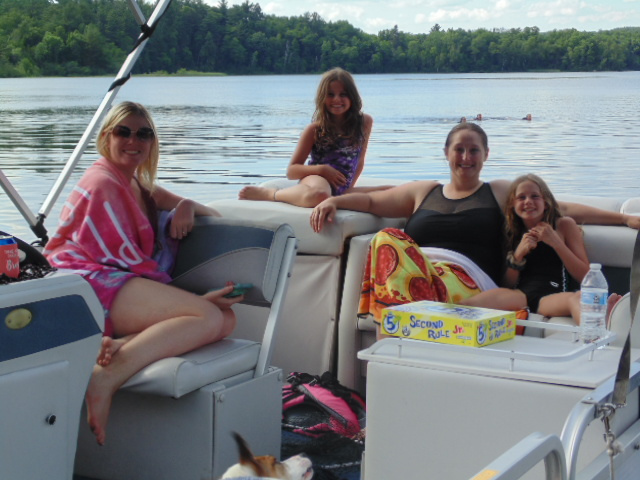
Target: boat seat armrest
(219, 250)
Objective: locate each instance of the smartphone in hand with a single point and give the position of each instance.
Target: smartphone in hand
(239, 289)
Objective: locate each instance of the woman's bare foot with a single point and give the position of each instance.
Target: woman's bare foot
(108, 349)
(98, 401)
(611, 301)
(258, 193)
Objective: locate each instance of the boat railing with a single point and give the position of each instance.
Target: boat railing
(147, 28)
(620, 458)
(622, 448)
(525, 455)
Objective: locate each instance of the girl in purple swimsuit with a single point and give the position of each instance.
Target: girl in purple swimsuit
(337, 141)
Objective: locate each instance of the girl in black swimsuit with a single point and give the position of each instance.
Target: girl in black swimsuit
(545, 248)
(439, 215)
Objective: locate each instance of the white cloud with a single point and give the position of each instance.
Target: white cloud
(416, 16)
(329, 11)
(377, 23)
(273, 8)
(349, 12)
(459, 14)
(503, 5)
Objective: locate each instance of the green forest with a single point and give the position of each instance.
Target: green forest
(93, 37)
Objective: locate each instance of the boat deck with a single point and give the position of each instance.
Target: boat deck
(336, 458)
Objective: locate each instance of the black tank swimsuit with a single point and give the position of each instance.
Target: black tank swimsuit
(473, 226)
(543, 274)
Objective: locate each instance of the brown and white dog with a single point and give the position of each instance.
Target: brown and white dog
(294, 468)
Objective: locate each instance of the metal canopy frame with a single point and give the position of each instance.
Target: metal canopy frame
(37, 223)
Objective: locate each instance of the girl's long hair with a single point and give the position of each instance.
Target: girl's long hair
(514, 225)
(328, 133)
(146, 171)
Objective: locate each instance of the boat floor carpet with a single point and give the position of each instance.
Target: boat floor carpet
(334, 457)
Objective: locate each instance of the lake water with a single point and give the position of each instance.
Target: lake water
(221, 133)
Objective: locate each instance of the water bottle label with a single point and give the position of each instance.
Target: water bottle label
(593, 298)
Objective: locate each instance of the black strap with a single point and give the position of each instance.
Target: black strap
(147, 30)
(621, 385)
(118, 82)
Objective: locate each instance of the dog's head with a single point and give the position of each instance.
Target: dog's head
(294, 468)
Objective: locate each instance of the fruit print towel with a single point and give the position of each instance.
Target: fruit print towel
(398, 271)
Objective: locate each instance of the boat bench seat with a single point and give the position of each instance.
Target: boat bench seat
(321, 330)
(204, 262)
(308, 337)
(612, 246)
(332, 240)
(178, 376)
(174, 418)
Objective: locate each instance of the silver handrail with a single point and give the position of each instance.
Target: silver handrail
(525, 455)
(587, 410)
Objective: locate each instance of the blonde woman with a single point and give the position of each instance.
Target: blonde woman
(109, 235)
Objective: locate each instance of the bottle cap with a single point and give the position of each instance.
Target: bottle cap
(595, 266)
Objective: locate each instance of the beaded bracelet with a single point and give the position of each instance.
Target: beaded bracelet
(515, 264)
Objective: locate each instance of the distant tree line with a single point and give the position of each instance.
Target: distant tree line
(93, 37)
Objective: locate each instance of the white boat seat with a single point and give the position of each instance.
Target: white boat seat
(366, 324)
(246, 251)
(174, 418)
(620, 323)
(218, 246)
(333, 237)
(612, 246)
(178, 376)
(316, 287)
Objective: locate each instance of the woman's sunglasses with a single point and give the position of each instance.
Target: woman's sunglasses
(144, 134)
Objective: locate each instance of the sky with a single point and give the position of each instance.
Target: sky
(418, 16)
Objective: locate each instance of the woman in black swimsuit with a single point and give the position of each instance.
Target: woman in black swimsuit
(462, 218)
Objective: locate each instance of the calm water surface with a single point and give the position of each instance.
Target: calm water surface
(221, 133)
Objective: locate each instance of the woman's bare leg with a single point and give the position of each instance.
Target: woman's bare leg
(611, 301)
(564, 304)
(308, 193)
(568, 304)
(168, 322)
(373, 188)
(498, 298)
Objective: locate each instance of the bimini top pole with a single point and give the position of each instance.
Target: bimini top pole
(123, 75)
(20, 204)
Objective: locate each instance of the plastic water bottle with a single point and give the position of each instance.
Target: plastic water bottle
(593, 304)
